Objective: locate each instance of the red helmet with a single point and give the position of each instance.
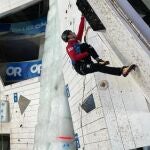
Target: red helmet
(65, 34)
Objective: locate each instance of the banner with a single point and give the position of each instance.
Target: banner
(27, 28)
(23, 70)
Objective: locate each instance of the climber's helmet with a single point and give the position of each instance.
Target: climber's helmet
(65, 35)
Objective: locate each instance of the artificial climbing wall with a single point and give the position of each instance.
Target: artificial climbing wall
(125, 41)
(120, 120)
(21, 127)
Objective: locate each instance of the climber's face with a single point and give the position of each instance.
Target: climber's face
(72, 35)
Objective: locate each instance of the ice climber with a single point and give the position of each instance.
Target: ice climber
(81, 53)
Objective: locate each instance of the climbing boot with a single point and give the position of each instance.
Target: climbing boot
(127, 69)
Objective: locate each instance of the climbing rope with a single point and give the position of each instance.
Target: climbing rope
(86, 32)
(81, 115)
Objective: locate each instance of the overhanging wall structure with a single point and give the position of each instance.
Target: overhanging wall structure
(121, 118)
(125, 42)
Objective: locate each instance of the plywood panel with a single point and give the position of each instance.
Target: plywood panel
(101, 135)
(103, 145)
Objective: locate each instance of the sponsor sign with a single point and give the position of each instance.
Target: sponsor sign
(23, 70)
(27, 28)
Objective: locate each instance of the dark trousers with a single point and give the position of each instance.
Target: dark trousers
(84, 68)
(86, 65)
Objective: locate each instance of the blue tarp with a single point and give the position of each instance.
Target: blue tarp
(18, 71)
(27, 28)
